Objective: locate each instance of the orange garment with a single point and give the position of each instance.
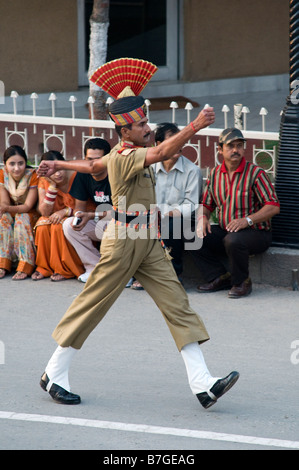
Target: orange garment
(54, 253)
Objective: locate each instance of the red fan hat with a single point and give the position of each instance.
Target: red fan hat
(124, 79)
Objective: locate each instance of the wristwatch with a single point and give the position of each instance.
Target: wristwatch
(250, 223)
(96, 218)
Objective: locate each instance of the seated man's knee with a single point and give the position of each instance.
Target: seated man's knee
(233, 241)
(67, 227)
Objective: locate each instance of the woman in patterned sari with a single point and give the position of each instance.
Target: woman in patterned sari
(55, 256)
(18, 198)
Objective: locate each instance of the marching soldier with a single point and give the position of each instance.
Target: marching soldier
(123, 254)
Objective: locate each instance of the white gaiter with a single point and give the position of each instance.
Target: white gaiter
(58, 367)
(200, 379)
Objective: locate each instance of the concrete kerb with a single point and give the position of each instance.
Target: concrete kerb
(274, 267)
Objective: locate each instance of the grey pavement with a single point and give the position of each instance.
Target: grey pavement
(133, 382)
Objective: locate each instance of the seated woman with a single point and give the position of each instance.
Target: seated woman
(18, 196)
(55, 256)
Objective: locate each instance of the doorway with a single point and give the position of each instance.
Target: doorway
(145, 29)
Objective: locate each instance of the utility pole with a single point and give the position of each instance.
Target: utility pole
(286, 224)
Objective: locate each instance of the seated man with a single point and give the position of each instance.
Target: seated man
(92, 223)
(245, 200)
(178, 190)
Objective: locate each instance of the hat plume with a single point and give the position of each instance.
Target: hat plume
(124, 77)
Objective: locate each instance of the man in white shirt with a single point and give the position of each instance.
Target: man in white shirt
(179, 185)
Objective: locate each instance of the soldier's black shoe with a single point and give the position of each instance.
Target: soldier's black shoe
(59, 394)
(222, 386)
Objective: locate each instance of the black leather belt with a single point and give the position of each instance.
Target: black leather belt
(126, 219)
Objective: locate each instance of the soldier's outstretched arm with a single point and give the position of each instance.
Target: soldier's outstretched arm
(48, 167)
(171, 146)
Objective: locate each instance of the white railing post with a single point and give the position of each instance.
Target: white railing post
(173, 105)
(34, 97)
(52, 98)
(147, 104)
(14, 95)
(73, 100)
(108, 102)
(207, 137)
(90, 101)
(188, 108)
(245, 111)
(263, 113)
(225, 109)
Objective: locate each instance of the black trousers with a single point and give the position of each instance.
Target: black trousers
(233, 248)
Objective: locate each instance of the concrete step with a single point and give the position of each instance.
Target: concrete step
(276, 267)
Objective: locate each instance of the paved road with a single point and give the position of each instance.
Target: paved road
(132, 380)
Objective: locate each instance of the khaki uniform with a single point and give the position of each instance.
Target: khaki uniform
(123, 256)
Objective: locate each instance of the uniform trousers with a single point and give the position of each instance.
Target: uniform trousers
(123, 257)
(236, 247)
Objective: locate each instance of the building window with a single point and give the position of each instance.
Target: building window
(143, 29)
(137, 29)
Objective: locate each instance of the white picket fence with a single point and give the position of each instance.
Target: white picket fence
(25, 129)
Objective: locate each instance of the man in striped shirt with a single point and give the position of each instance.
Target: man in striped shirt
(245, 201)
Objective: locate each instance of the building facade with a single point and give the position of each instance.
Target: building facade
(44, 45)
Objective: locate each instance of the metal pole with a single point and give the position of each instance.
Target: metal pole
(286, 224)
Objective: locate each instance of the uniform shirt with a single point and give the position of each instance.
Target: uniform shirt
(130, 182)
(85, 187)
(180, 188)
(248, 191)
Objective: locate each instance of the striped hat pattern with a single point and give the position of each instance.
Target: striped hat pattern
(124, 79)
